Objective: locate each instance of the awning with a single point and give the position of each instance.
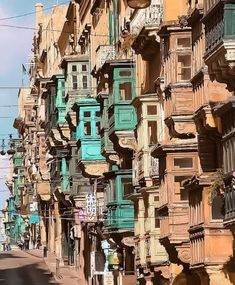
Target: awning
(34, 218)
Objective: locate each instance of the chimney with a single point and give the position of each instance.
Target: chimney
(39, 14)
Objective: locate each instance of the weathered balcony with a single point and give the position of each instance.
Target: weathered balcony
(144, 25)
(219, 21)
(104, 53)
(150, 17)
(229, 196)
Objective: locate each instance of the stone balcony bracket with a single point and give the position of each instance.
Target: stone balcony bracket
(127, 140)
(93, 169)
(205, 120)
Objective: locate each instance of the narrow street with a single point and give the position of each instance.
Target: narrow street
(20, 268)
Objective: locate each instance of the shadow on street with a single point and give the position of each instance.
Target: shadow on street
(18, 268)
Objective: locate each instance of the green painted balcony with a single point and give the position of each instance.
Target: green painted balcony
(119, 209)
(219, 20)
(55, 102)
(88, 129)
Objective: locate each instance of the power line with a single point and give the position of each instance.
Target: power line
(47, 30)
(31, 13)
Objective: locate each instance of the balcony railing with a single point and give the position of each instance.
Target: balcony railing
(208, 5)
(154, 170)
(104, 53)
(230, 203)
(152, 16)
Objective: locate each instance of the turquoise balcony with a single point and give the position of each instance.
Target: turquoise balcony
(65, 183)
(120, 210)
(88, 129)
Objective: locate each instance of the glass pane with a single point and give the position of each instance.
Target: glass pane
(87, 114)
(84, 82)
(74, 68)
(183, 42)
(151, 110)
(125, 91)
(186, 162)
(157, 221)
(180, 191)
(152, 132)
(127, 186)
(125, 73)
(184, 67)
(84, 67)
(97, 128)
(87, 128)
(75, 82)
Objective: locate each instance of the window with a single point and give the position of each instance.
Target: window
(84, 82)
(127, 186)
(125, 91)
(152, 132)
(97, 128)
(156, 198)
(180, 191)
(84, 67)
(184, 162)
(63, 91)
(74, 68)
(184, 67)
(217, 207)
(125, 73)
(75, 82)
(86, 114)
(157, 220)
(87, 128)
(152, 110)
(183, 42)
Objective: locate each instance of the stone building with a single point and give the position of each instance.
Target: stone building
(128, 139)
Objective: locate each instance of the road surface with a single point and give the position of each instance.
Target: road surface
(20, 268)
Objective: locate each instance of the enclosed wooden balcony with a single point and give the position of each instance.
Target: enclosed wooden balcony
(219, 21)
(103, 54)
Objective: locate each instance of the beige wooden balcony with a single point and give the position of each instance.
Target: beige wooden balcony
(104, 53)
(149, 17)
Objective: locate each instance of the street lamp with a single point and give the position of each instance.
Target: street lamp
(2, 152)
(11, 151)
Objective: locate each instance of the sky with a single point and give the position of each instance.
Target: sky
(15, 50)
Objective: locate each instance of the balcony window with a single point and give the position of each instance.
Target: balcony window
(97, 128)
(184, 67)
(74, 68)
(75, 82)
(183, 42)
(127, 186)
(181, 194)
(183, 162)
(84, 67)
(157, 220)
(217, 207)
(125, 91)
(152, 110)
(84, 82)
(152, 132)
(125, 73)
(87, 128)
(63, 92)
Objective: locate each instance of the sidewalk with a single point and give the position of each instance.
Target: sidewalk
(64, 275)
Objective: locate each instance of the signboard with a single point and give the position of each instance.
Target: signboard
(91, 207)
(108, 279)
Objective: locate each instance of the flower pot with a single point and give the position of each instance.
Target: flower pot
(138, 4)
